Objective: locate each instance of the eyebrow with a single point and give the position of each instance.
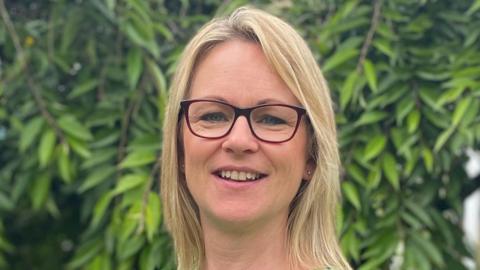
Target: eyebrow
(260, 102)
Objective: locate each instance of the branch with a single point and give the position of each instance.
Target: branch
(31, 84)
(132, 105)
(371, 32)
(146, 192)
(11, 29)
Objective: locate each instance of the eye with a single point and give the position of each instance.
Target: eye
(271, 120)
(214, 117)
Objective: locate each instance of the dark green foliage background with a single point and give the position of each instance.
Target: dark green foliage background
(83, 85)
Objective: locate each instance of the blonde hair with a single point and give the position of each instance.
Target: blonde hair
(312, 239)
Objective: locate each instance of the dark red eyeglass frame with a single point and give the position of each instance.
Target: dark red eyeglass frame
(185, 105)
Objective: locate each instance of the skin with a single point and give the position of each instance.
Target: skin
(244, 224)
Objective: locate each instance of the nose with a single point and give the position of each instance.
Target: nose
(240, 139)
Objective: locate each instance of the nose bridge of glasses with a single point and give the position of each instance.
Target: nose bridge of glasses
(242, 112)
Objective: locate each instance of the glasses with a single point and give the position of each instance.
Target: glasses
(210, 119)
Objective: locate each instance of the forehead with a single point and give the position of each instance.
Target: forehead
(237, 71)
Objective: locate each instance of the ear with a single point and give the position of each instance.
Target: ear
(309, 169)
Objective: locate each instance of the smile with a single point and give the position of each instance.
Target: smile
(239, 175)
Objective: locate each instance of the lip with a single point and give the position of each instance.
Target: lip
(238, 184)
(238, 168)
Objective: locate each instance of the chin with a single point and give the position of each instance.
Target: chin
(234, 216)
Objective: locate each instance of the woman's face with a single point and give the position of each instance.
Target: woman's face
(236, 72)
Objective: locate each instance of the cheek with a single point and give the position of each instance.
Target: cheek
(290, 160)
(296, 156)
(196, 155)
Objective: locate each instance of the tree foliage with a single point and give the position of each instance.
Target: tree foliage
(83, 85)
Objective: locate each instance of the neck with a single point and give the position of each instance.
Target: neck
(254, 247)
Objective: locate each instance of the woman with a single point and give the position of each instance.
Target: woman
(250, 162)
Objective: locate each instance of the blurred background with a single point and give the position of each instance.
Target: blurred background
(83, 87)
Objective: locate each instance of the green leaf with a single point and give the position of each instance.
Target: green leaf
(430, 249)
(374, 147)
(133, 34)
(371, 75)
(403, 108)
(64, 166)
(415, 257)
(134, 66)
(427, 159)
(138, 158)
(443, 226)
(384, 46)
(153, 215)
(128, 182)
(73, 127)
(471, 114)
(79, 147)
(161, 86)
(450, 95)
(339, 58)
(372, 264)
(411, 220)
(442, 139)
(356, 173)
(350, 244)
(130, 247)
(374, 177)
(40, 190)
(99, 157)
(86, 252)
(83, 88)
(45, 150)
(460, 110)
(148, 258)
(164, 31)
(351, 193)
(370, 117)
(111, 5)
(390, 170)
(101, 207)
(429, 97)
(412, 161)
(100, 262)
(347, 89)
(433, 76)
(471, 38)
(473, 8)
(30, 132)
(413, 120)
(142, 26)
(70, 29)
(96, 177)
(419, 212)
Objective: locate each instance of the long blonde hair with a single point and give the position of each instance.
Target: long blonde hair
(312, 239)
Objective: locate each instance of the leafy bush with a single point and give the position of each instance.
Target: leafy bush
(83, 85)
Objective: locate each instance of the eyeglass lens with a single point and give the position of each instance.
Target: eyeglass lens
(212, 119)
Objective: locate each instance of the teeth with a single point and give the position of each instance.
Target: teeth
(239, 175)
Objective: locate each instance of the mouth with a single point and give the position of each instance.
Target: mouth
(239, 176)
